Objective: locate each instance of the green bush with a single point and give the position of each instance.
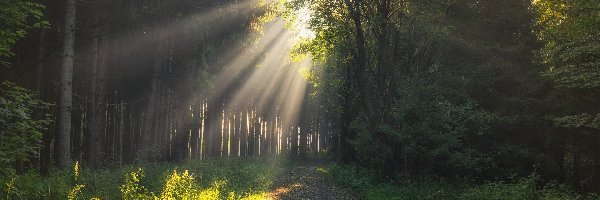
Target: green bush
(20, 130)
(522, 189)
(132, 189)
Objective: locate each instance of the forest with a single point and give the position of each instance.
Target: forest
(300, 99)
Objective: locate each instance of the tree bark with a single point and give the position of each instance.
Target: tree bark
(303, 130)
(195, 136)
(41, 54)
(244, 134)
(385, 72)
(66, 88)
(151, 110)
(235, 137)
(97, 115)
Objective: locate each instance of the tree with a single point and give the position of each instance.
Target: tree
(427, 91)
(571, 54)
(23, 117)
(14, 18)
(569, 30)
(66, 87)
(20, 132)
(97, 116)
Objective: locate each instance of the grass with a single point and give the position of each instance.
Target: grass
(239, 178)
(362, 183)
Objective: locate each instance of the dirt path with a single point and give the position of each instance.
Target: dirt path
(306, 182)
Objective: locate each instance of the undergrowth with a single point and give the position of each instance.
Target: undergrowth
(206, 179)
(252, 179)
(362, 182)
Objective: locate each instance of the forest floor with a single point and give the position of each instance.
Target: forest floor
(261, 178)
(306, 182)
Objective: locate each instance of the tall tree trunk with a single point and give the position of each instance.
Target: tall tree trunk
(304, 131)
(66, 88)
(235, 132)
(195, 136)
(341, 143)
(39, 79)
(271, 131)
(41, 54)
(215, 130)
(244, 134)
(323, 133)
(360, 72)
(77, 129)
(97, 115)
(384, 71)
(151, 110)
(121, 131)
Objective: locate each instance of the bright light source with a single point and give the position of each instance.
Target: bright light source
(302, 23)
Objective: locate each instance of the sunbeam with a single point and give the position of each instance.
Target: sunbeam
(259, 83)
(156, 37)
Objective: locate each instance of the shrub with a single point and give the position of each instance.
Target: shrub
(20, 131)
(181, 186)
(522, 189)
(366, 186)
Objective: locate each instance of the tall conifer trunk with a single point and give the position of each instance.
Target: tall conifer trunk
(66, 87)
(97, 115)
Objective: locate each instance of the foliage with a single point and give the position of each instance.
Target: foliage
(571, 55)
(206, 179)
(268, 14)
(572, 49)
(75, 191)
(16, 18)
(439, 135)
(20, 130)
(132, 189)
(424, 115)
(569, 30)
(367, 186)
(177, 186)
(523, 189)
(465, 88)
